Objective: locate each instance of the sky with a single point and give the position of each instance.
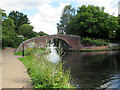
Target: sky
(45, 14)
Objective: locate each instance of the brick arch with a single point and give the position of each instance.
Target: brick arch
(60, 39)
(41, 42)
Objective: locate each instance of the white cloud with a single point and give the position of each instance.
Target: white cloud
(47, 17)
(9, 5)
(108, 4)
(44, 20)
(119, 7)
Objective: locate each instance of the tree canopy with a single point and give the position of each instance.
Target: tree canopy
(118, 31)
(13, 25)
(41, 33)
(67, 14)
(9, 36)
(91, 21)
(19, 19)
(26, 30)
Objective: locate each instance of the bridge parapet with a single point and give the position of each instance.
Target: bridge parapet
(42, 41)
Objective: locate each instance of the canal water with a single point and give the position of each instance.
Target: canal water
(91, 69)
(94, 69)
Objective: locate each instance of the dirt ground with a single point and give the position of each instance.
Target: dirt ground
(14, 73)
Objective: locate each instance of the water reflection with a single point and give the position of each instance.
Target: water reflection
(53, 56)
(95, 69)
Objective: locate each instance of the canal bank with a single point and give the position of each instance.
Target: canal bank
(94, 49)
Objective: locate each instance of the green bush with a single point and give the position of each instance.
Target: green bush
(100, 42)
(97, 42)
(87, 41)
(6, 41)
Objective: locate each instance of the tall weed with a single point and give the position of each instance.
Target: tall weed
(45, 74)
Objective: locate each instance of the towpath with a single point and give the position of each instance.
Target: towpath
(14, 73)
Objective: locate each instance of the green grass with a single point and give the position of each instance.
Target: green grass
(18, 53)
(45, 74)
(29, 51)
(103, 49)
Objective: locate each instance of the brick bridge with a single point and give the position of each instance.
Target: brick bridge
(42, 41)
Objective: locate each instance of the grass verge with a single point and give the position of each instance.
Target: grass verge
(45, 74)
(30, 51)
(103, 49)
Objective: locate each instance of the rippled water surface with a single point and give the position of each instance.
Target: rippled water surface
(94, 69)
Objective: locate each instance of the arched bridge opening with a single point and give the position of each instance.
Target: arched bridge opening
(42, 41)
(60, 43)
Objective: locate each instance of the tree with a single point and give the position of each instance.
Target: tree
(41, 33)
(4, 15)
(9, 36)
(27, 31)
(118, 31)
(67, 14)
(10, 24)
(19, 19)
(92, 21)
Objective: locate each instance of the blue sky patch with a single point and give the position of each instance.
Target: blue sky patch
(30, 12)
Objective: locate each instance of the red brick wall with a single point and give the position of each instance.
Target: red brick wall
(73, 41)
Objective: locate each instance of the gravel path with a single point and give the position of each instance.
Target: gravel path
(14, 73)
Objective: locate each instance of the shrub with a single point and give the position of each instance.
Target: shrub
(87, 41)
(97, 42)
(100, 42)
